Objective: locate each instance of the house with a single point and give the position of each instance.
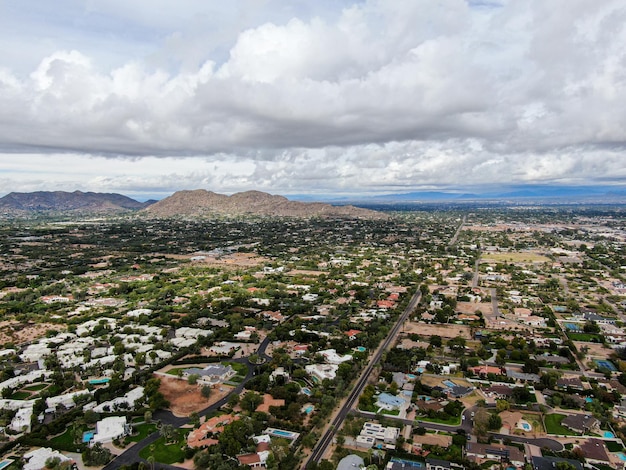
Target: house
(351, 334)
(389, 402)
(204, 435)
(125, 402)
(322, 371)
(437, 464)
(573, 382)
(256, 459)
(350, 462)
(501, 392)
(36, 459)
(581, 423)
(511, 420)
(109, 429)
(372, 432)
(482, 452)
(483, 371)
(211, 374)
(550, 463)
(595, 451)
(331, 356)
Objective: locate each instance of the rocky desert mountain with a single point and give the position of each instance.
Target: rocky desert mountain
(202, 203)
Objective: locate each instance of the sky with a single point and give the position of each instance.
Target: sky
(318, 97)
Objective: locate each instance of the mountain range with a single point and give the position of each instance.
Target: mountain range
(202, 203)
(196, 203)
(62, 201)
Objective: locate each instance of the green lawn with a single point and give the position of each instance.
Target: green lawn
(165, 453)
(20, 396)
(553, 425)
(176, 371)
(35, 388)
(141, 431)
(588, 337)
(241, 369)
(66, 440)
(451, 421)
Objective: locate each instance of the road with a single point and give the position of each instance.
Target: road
(456, 234)
(131, 454)
(320, 448)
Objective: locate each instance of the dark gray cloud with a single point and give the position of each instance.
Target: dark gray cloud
(343, 96)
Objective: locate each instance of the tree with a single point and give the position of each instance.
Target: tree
(502, 405)
(192, 379)
(481, 422)
(205, 391)
(168, 432)
(494, 423)
(96, 456)
(250, 401)
(435, 341)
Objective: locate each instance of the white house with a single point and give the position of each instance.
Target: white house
(322, 371)
(36, 459)
(108, 429)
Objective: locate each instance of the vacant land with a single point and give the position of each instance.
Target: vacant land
(443, 330)
(516, 257)
(185, 399)
(20, 333)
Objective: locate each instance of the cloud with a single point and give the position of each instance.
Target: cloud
(373, 95)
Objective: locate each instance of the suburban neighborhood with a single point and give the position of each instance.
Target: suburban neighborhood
(436, 339)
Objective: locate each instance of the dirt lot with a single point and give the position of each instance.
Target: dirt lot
(528, 257)
(594, 350)
(471, 307)
(445, 331)
(185, 399)
(12, 331)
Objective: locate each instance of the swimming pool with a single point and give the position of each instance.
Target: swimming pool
(282, 433)
(5, 463)
(449, 383)
(608, 435)
(306, 391)
(360, 349)
(424, 397)
(572, 326)
(408, 463)
(621, 456)
(308, 409)
(525, 426)
(99, 381)
(604, 364)
(88, 436)
(411, 376)
(588, 400)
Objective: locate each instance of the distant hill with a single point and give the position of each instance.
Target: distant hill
(62, 201)
(202, 203)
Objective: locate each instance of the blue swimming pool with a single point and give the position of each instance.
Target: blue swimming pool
(408, 463)
(411, 376)
(309, 409)
(88, 436)
(608, 435)
(360, 349)
(306, 391)
(604, 364)
(572, 326)
(99, 381)
(621, 456)
(449, 383)
(588, 400)
(5, 463)
(526, 426)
